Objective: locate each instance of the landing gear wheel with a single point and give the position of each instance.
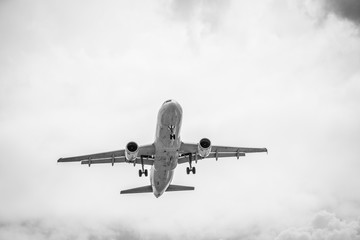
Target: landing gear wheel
(140, 173)
(193, 170)
(146, 172)
(187, 170)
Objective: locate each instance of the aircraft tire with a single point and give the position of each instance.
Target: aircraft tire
(187, 170)
(193, 170)
(140, 173)
(146, 172)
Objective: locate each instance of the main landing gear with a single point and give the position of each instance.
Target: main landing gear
(191, 168)
(142, 170)
(188, 170)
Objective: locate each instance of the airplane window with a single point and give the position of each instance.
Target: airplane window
(167, 101)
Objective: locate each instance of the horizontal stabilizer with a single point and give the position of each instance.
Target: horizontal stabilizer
(178, 188)
(148, 189)
(144, 189)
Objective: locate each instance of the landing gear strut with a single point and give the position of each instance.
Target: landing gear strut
(142, 170)
(191, 168)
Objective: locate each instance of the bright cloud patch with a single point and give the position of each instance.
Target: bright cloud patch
(325, 226)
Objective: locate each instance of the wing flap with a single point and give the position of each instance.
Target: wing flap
(118, 153)
(118, 160)
(185, 158)
(235, 149)
(104, 160)
(193, 147)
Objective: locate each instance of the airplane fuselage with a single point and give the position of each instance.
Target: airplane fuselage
(167, 144)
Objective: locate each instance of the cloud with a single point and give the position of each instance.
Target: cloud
(56, 229)
(325, 225)
(346, 9)
(88, 78)
(200, 17)
(207, 11)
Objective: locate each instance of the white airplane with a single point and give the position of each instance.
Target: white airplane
(164, 154)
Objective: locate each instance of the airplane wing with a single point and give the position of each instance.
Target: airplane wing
(114, 157)
(191, 149)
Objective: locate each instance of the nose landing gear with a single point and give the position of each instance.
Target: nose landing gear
(172, 132)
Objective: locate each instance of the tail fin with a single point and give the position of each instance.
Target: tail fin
(148, 189)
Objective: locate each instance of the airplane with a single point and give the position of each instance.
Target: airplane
(164, 154)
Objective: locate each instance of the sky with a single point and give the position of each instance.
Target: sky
(87, 76)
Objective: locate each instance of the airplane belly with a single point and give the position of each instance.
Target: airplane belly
(167, 162)
(167, 144)
(161, 180)
(162, 172)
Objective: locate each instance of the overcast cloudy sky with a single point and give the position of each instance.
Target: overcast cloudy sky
(80, 77)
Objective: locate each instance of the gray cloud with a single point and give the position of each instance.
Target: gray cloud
(346, 9)
(41, 229)
(201, 17)
(325, 225)
(207, 11)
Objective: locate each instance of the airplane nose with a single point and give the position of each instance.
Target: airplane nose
(171, 102)
(167, 101)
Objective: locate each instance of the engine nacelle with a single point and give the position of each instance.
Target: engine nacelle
(131, 151)
(204, 147)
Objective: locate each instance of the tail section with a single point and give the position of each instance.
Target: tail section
(148, 189)
(172, 188)
(145, 189)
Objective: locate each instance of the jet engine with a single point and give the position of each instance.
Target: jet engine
(131, 151)
(204, 147)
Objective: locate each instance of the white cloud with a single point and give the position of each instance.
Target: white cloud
(324, 226)
(52, 230)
